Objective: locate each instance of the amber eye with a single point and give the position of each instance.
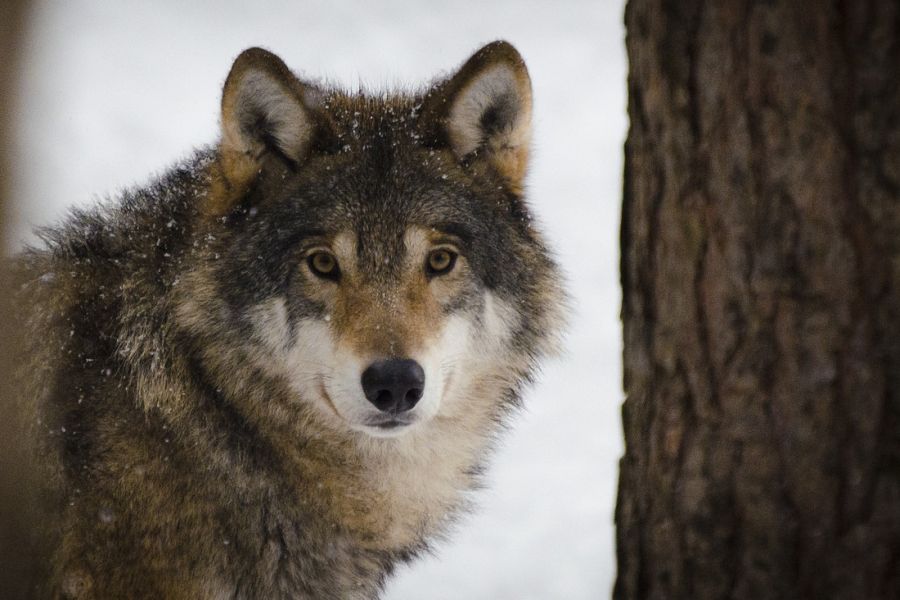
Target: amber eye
(323, 264)
(441, 261)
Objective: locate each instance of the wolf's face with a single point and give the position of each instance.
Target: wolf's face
(392, 336)
(375, 252)
(383, 282)
(380, 333)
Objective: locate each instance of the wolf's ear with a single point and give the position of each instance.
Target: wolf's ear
(484, 111)
(264, 113)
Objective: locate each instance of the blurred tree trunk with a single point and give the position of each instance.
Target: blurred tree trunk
(18, 554)
(761, 301)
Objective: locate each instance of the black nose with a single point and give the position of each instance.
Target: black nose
(394, 385)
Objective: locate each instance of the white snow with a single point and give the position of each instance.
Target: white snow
(114, 91)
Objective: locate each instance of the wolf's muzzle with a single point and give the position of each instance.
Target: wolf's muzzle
(395, 385)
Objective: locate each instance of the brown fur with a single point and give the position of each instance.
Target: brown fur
(191, 440)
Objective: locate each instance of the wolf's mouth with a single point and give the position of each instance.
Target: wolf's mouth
(390, 423)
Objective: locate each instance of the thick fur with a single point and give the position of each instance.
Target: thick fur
(194, 387)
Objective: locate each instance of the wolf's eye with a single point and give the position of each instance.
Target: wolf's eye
(323, 264)
(440, 261)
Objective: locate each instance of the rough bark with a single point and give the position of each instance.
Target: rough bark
(761, 301)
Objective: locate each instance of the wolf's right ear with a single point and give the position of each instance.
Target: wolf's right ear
(264, 112)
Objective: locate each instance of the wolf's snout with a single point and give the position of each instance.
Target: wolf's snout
(395, 385)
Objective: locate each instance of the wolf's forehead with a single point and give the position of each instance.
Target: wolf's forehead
(374, 252)
(357, 115)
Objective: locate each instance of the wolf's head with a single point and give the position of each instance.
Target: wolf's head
(374, 253)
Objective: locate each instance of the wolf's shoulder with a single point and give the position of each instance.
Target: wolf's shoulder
(114, 236)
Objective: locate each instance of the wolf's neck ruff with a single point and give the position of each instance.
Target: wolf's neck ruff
(276, 371)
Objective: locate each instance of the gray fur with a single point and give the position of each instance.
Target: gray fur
(173, 463)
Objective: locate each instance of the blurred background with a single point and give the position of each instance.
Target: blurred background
(112, 93)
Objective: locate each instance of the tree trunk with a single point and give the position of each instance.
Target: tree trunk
(761, 301)
(19, 560)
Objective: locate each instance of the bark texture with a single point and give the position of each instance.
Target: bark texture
(761, 301)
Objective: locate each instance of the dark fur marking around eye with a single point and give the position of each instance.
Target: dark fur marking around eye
(458, 230)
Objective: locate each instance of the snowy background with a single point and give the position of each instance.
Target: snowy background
(115, 91)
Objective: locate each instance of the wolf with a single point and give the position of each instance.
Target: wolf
(275, 371)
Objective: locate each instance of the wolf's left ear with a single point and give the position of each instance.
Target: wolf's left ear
(484, 111)
(265, 114)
